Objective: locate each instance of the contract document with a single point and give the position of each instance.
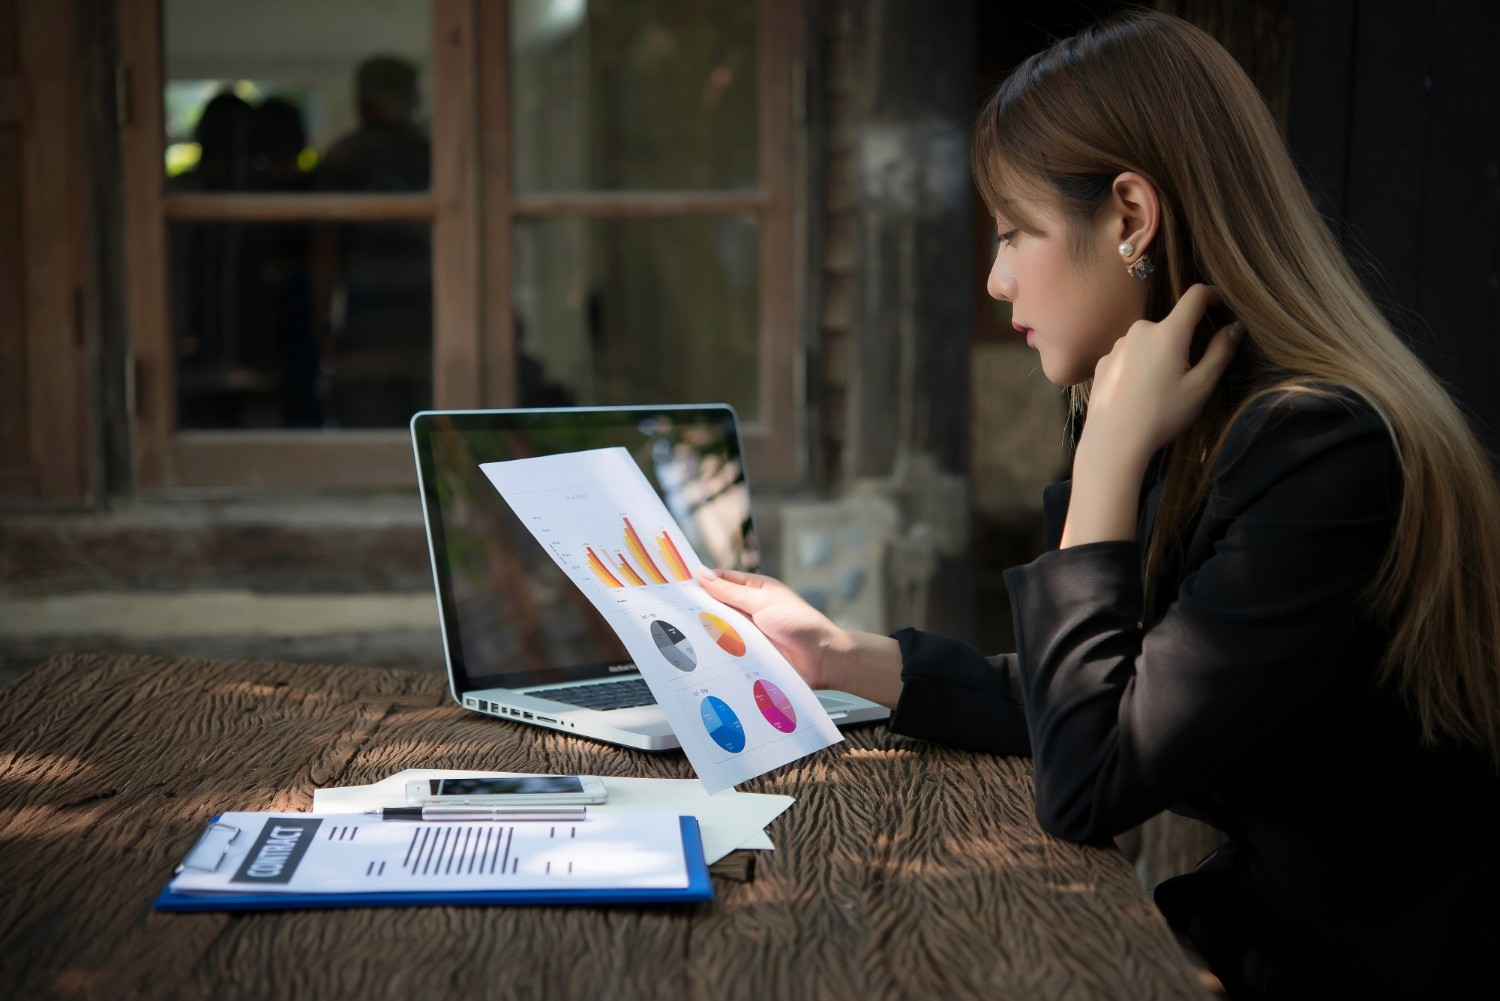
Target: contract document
(263, 853)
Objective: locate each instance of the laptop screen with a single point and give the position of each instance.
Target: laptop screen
(511, 618)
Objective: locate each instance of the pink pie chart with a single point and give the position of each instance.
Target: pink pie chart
(775, 707)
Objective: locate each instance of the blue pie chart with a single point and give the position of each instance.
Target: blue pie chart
(723, 726)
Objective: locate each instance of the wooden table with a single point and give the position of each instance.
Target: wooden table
(904, 870)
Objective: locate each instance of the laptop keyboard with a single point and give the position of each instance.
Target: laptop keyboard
(605, 695)
(629, 694)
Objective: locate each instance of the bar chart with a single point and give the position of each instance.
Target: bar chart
(617, 570)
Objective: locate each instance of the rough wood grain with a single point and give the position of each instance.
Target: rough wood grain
(904, 870)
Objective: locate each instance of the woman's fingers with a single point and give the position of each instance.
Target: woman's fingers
(1173, 334)
(746, 591)
(1196, 301)
(798, 630)
(741, 578)
(1147, 390)
(1198, 298)
(1182, 320)
(1216, 358)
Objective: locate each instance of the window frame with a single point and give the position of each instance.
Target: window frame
(49, 334)
(472, 210)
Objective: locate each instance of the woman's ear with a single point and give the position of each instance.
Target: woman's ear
(1133, 213)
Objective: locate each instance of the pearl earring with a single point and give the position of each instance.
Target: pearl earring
(1142, 268)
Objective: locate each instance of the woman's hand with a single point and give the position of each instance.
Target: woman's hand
(1146, 390)
(1146, 393)
(801, 632)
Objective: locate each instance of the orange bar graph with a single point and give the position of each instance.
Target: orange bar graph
(633, 543)
(629, 571)
(674, 558)
(597, 565)
(621, 570)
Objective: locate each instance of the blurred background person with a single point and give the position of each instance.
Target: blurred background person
(373, 280)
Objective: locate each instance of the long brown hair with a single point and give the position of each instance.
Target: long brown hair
(1150, 93)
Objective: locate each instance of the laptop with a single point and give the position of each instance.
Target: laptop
(521, 642)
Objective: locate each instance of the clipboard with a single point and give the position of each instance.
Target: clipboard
(218, 836)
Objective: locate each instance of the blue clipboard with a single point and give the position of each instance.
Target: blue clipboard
(698, 888)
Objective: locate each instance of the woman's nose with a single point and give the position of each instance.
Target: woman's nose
(1002, 281)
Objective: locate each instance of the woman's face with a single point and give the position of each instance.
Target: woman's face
(1071, 308)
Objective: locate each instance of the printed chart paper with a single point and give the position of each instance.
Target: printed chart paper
(355, 853)
(736, 704)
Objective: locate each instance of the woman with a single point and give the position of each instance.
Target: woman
(1272, 594)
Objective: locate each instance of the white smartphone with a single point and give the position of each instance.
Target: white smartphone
(509, 790)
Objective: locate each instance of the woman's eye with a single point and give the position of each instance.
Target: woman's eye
(1003, 240)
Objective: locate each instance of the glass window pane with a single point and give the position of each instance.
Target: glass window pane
(633, 94)
(654, 310)
(286, 95)
(301, 325)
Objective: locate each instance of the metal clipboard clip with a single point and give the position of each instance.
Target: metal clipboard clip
(210, 849)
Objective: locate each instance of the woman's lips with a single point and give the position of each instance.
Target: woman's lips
(1023, 329)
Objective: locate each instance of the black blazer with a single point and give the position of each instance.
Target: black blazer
(1356, 857)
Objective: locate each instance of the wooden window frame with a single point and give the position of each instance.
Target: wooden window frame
(166, 458)
(472, 211)
(773, 440)
(48, 291)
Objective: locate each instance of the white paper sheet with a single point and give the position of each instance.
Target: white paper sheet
(726, 820)
(354, 853)
(732, 699)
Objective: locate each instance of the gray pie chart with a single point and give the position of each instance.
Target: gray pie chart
(673, 645)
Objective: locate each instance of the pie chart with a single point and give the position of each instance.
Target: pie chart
(723, 634)
(673, 645)
(775, 707)
(723, 726)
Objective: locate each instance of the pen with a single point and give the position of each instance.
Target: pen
(482, 813)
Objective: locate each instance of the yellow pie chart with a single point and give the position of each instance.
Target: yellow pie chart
(723, 634)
